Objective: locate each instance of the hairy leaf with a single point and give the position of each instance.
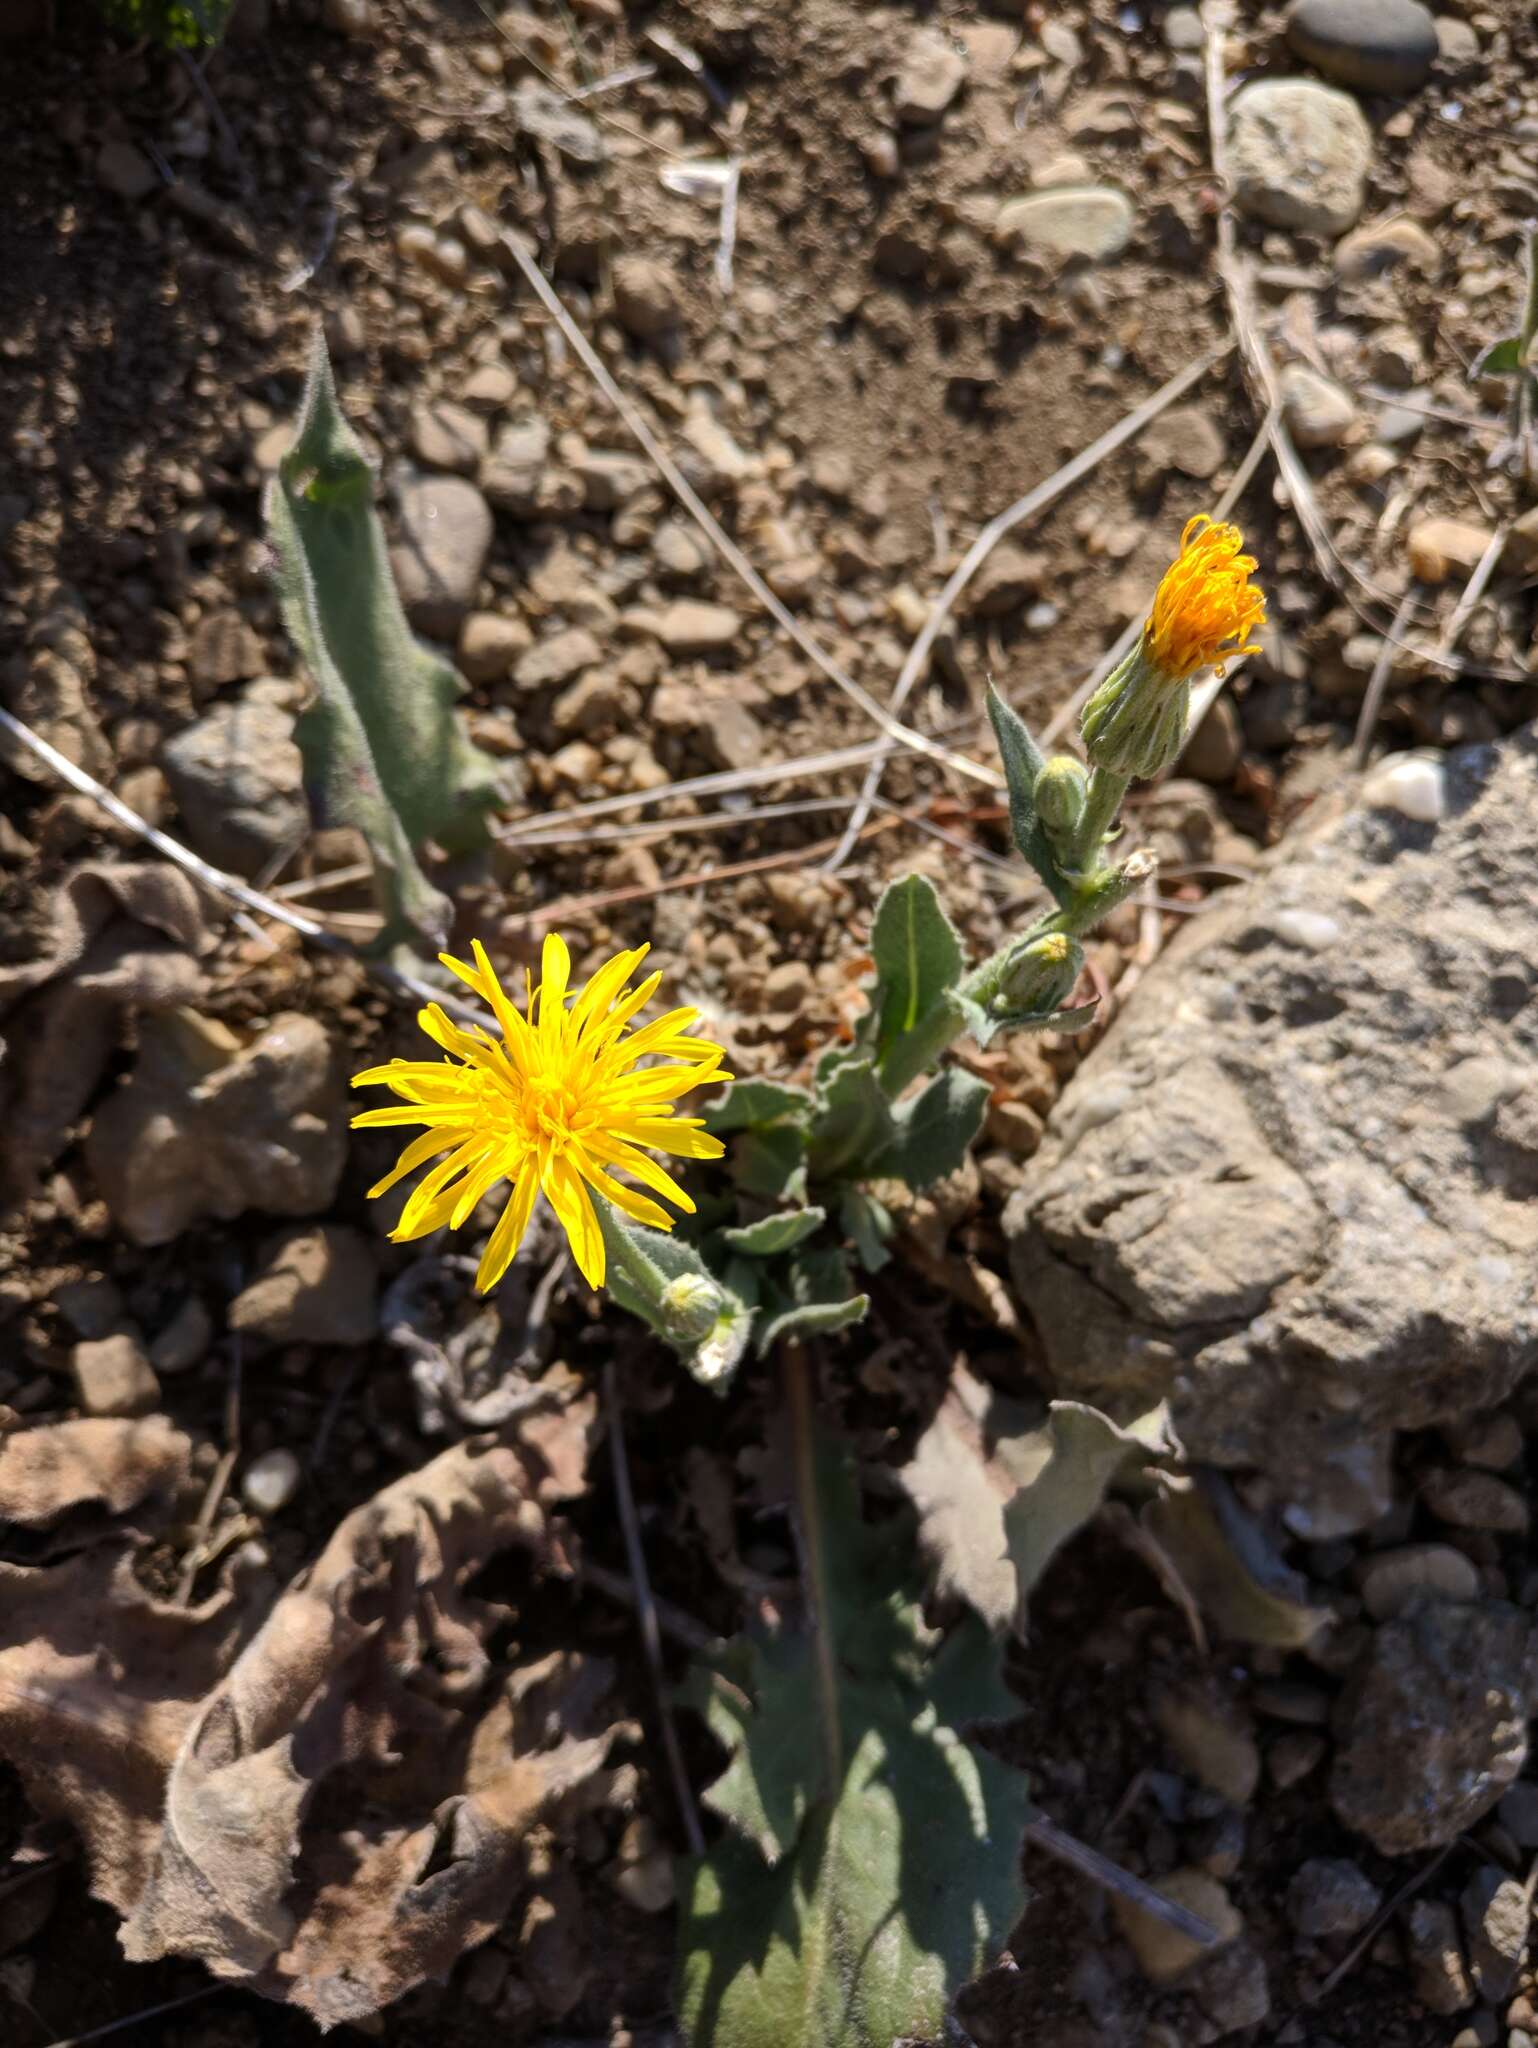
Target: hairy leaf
(933, 1130)
(960, 1479)
(853, 1122)
(818, 1304)
(771, 1234)
(1023, 762)
(770, 1161)
(382, 745)
(918, 962)
(868, 1225)
(845, 1913)
(747, 1105)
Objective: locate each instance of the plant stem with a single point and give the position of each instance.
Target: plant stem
(1102, 802)
(811, 1545)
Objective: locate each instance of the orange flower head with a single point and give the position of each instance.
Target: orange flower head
(555, 1100)
(1206, 607)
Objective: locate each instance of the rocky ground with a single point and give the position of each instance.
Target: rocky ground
(963, 243)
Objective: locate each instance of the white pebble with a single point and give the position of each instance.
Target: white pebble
(1310, 929)
(271, 1481)
(1412, 784)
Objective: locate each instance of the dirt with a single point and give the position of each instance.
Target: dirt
(895, 378)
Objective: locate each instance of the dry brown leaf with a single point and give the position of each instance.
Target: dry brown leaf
(371, 1675)
(99, 1461)
(121, 937)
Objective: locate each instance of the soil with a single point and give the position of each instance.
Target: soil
(895, 377)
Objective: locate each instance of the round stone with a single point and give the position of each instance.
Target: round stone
(271, 1481)
(1376, 45)
(1299, 155)
(1092, 221)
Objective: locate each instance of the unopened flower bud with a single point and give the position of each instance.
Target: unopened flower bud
(690, 1307)
(1060, 792)
(1135, 722)
(1040, 977)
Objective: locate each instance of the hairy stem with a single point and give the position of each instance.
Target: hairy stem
(1102, 802)
(811, 1545)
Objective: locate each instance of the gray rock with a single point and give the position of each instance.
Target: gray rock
(608, 477)
(1439, 1975)
(1518, 1814)
(1377, 45)
(1210, 1735)
(448, 437)
(1010, 575)
(224, 650)
(512, 473)
(1328, 1896)
(1496, 1917)
(1475, 1500)
(1090, 221)
(556, 659)
(445, 532)
(205, 1127)
(1299, 155)
(113, 1377)
(1433, 1725)
(238, 781)
(553, 117)
(645, 297)
(933, 70)
(317, 1287)
(1319, 414)
(1379, 246)
(1231, 1988)
(691, 626)
(1392, 1579)
(1268, 1195)
(184, 1341)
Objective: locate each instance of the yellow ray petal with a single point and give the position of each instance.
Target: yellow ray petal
(574, 1208)
(502, 1245)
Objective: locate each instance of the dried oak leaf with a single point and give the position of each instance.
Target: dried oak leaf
(100, 1461)
(121, 937)
(188, 1747)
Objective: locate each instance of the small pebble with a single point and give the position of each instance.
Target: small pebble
(271, 1481)
(1412, 784)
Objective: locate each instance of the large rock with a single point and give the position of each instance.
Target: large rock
(1089, 221)
(1432, 1727)
(1294, 1188)
(238, 781)
(205, 1127)
(1299, 155)
(318, 1286)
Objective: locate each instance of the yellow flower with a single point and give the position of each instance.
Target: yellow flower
(554, 1103)
(1206, 607)
(1203, 611)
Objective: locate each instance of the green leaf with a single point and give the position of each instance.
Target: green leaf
(847, 1915)
(933, 1130)
(868, 1225)
(1023, 762)
(174, 24)
(1500, 359)
(746, 1105)
(1061, 1472)
(852, 1124)
(770, 1161)
(383, 747)
(918, 961)
(819, 1302)
(771, 1234)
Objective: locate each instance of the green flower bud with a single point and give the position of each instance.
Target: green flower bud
(1060, 792)
(1135, 722)
(1039, 978)
(689, 1308)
